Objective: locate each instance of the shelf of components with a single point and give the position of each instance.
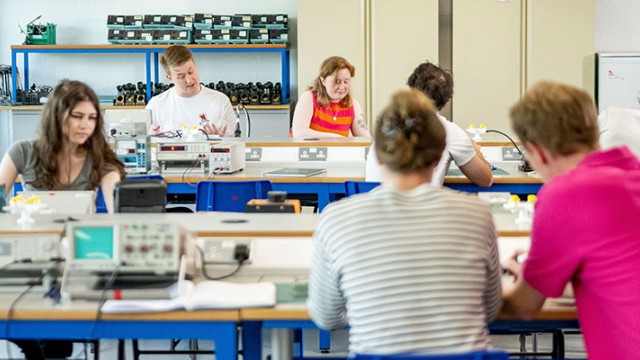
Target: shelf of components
(152, 54)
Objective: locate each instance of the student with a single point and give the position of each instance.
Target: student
(585, 229)
(437, 84)
(394, 263)
(188, 102)
(326, 108)
(71, 153)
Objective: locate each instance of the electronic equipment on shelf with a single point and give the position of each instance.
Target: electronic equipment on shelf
(127, 129)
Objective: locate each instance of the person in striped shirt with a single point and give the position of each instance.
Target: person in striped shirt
(326, 108)
(410, 267)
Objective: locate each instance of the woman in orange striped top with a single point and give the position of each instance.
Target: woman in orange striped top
(326, 108)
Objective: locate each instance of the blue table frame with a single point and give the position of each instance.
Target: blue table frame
(328, 192)
(223, 333)
(252, 350)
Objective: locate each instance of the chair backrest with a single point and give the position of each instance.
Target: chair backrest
(493, 354)
(229, 196)
(357, 187)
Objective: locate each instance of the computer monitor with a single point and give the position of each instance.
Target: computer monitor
(127, 122)
(66, 202)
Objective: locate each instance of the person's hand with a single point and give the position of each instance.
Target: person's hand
(513, 265)
(211, 129)
(155, 130)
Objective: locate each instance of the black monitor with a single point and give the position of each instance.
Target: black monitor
(140, 196)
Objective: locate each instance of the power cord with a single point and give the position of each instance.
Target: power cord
(187, 172)
(241, 254)
(15, 302)
(103, 299)
(524, 166)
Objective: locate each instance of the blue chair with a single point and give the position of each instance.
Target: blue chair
(229, 195)
(473, 355)
(358, 187)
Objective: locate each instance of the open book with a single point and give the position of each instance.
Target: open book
(203, 295)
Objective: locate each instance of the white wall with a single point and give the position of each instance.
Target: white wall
(617, 26)
(84, 22)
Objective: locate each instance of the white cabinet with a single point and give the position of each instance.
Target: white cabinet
(385, 40)
(500, 48)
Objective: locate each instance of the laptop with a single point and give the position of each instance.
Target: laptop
(293, 172)
(66, 202)
(127, 122)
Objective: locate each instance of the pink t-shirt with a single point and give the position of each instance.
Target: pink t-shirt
(586, 230)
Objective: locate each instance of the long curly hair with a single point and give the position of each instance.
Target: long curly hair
(331, 66)
(62, 100)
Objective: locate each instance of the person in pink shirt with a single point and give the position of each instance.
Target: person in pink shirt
(585, 228)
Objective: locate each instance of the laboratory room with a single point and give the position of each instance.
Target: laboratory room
(368, 179)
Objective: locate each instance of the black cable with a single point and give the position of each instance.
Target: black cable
(103, 299)
(205, 133)
(14, 303)
(246, 114)
(524, 167)
(204, 268)
(188, 171)
(510, 139)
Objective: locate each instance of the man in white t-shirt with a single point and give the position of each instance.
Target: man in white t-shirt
(437, 84)
(188, 102)
(620, 126)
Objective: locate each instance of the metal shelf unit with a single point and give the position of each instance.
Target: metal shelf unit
(152, 55)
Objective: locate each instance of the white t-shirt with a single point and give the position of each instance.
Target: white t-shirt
(172, 111)
(458, 149)
(620, 126)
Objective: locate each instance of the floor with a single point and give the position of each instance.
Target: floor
(108, 348)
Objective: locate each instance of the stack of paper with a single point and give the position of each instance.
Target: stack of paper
(204, 295)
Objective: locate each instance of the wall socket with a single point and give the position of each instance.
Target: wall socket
(253, 154)
(217, 250)
(510, 153)
(312, 154)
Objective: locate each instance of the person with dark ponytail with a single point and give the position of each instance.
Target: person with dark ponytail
(396, 263)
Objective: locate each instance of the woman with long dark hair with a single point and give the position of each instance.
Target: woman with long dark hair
(71, 152)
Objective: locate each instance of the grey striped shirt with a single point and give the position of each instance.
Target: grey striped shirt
(413, 271)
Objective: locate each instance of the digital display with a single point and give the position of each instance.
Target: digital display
(93, 242)
(220, 150)
(172, 148)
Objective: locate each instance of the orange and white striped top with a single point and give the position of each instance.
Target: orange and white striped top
(334, 119)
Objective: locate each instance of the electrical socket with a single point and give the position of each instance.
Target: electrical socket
(221, 251)
(510, 153)
(312, 154)
(253, 154)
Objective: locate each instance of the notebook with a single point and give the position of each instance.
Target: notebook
(66, 202)
(293, 172)
(207, 294)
